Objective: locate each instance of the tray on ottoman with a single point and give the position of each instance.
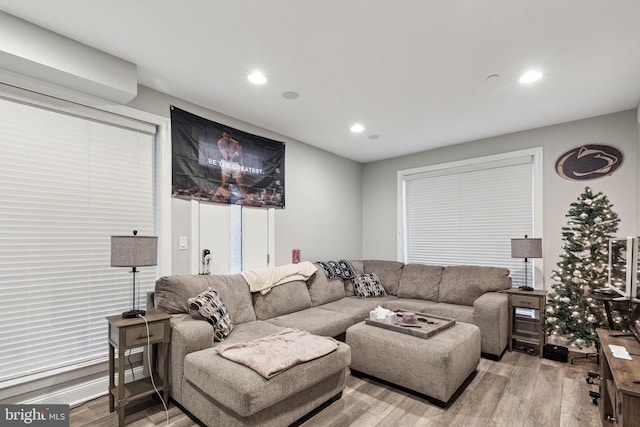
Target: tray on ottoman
(431, 327)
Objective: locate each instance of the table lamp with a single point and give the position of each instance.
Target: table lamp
(526, 248)
(134, 251)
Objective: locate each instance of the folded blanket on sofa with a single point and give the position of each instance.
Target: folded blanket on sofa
(278, 352)
(263, 280)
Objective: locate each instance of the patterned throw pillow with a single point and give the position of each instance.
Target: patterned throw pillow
(334, 269)
(328, 271)
(367, 286)
(348, 272)
(207, 306)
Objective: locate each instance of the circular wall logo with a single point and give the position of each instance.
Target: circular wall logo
(589, 162)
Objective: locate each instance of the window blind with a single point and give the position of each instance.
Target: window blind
(67, 183)
(468, 215)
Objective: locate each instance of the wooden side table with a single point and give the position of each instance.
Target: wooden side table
(535, 300)
(125, 334)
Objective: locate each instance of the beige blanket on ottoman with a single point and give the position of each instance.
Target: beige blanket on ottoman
(277, 352)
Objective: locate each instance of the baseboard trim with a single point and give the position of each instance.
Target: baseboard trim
(71, 387)
(77, 394)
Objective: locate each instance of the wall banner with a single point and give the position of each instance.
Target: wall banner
(216, 163)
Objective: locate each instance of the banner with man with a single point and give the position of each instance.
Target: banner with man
(214, 162)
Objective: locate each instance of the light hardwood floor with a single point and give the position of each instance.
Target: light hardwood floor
(518, 390)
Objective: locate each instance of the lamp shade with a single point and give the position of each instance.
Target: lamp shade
(526, 248)
(134, 251)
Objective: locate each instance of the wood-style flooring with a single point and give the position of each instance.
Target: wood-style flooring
(518, 390)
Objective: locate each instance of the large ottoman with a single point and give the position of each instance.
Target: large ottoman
(435, 367)
(223, 393)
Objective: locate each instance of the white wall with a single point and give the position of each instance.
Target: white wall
(323, 212)
(618, 129)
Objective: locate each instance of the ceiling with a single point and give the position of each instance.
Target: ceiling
(412, 72)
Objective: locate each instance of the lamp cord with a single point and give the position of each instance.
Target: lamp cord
(166, 410)
(133, 375)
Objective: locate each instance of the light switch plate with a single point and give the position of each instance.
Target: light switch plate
(183, 243)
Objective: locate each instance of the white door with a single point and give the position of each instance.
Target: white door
(215, 236)
(236, 237)
(255, 241)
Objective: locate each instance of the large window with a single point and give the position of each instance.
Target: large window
(67, 183)
(467, 212)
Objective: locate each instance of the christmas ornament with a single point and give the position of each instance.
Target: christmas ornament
(575, 314)
(566, 300)
(591, 318)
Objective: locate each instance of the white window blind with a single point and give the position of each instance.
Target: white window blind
(67, 183)
(468, 215)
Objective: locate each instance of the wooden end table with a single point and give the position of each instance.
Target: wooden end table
(125, 334)
(535, 300)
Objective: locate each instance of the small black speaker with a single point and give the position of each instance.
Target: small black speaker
(556, 352)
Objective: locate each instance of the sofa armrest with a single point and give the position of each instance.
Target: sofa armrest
(187, 336)
(491, 315)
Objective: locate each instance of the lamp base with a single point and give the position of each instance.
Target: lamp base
(525, 288)
(131, 314)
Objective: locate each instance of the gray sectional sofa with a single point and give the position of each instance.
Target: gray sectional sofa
(222, 393)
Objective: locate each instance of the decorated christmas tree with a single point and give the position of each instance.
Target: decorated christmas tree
(583, 267)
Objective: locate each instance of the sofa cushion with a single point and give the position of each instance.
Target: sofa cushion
(368, 286)
(207, 306)
(389, 273)
(323, 290)
(420, 281)
(172, 293)
(316, 321)
(357, 308)
(410, 304)
(461, 313)
(463, 284)
(282, 299)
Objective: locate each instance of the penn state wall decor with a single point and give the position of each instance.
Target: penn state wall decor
(216, 163)
(589, 161)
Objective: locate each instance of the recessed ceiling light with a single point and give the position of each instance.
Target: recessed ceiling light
(290, 94)
(530, 77)
(257, 78)
(357, 128)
